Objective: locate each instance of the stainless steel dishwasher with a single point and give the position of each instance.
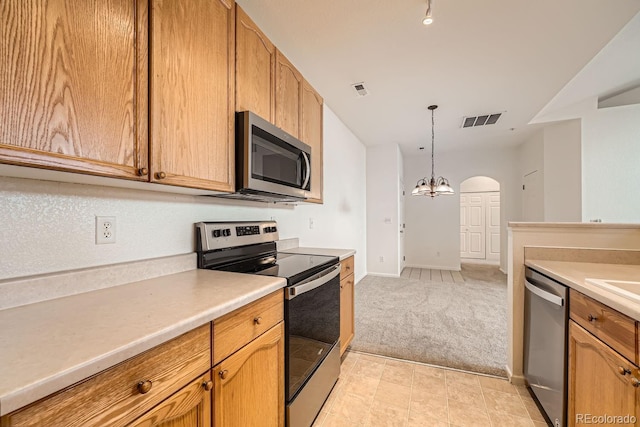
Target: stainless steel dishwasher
(545, 343)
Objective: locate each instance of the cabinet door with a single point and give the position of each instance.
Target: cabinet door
(600, 380)
(192, 111)
(73, 86)
(255, 68)
(249, 385)
(288, 96)
(311, 134)
(189, 407)
(347, 320)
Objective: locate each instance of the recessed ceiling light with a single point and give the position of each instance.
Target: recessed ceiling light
(428, 19)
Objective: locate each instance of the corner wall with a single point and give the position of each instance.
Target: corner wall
(433, 225)
(49, 226)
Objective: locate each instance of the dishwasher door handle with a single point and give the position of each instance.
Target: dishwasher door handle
(553, 299)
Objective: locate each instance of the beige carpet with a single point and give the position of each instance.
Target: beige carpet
(457, 325)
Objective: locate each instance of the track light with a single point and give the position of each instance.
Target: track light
(428, 19)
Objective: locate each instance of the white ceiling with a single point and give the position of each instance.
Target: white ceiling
(477, 57)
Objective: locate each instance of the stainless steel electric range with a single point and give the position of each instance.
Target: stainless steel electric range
(311, 306)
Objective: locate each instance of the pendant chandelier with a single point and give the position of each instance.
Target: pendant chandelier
(433, 187)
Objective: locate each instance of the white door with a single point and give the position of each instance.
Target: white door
(532, 201)
(493, 226)
(472, 233)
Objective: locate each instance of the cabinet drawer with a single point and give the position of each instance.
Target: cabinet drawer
(113, 397)
(613, 328)
(236, 329)
(346, 267)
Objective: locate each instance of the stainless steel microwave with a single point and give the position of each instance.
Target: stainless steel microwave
(271, 165)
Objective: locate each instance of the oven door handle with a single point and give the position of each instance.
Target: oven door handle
(325, 276)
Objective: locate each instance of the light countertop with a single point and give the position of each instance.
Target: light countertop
(574, 275)
(47, 346)
(340, 253)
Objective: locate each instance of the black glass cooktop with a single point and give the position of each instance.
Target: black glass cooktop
(295, 267)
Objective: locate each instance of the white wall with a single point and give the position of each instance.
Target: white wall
(49, 226)
(477, 184)
(433, 225)
(563, 172)
(555, 153)
(383, 173)
(611, 164)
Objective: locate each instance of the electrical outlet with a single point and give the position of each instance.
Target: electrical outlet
(105, 229)
(437, 253)
(381, 259)
(310, 223)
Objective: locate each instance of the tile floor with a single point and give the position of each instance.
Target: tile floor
(378, 391)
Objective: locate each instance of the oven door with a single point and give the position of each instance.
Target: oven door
(312, 325)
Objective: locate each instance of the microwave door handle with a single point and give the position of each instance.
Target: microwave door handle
(307, 170)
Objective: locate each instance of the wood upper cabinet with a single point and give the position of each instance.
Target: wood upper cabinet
(311, 134)
(249, 384)
(192, 93)
(347, 300)
(189, 407)
(255, 68)
(288, 95)
(601, 382)
(73, 86)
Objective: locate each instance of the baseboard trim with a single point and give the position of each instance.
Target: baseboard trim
(383, 275)
(432, 267)
(514, 379)
(495, 262)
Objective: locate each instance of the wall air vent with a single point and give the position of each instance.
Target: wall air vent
(485, 119)
(360, 89)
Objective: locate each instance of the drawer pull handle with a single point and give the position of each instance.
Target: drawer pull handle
(223, 374)
(635, 382)
(257, 320)
(207, 385)
(143, 171)
(623, 371)
(144, 386)
(592, 318)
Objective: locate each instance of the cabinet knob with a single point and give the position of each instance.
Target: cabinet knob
(257, 320)
(635, 382)
(592, 318)
(161, 175)
(143, 171)
(207, 385)
(144, 386)
(623, 371)
(223, 374)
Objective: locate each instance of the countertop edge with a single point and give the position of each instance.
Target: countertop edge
(342, 254)
(31, 393)
(600, 295)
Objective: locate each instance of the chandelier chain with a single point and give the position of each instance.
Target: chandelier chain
(433, 176)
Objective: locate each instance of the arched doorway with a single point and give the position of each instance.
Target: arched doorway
(480, 220)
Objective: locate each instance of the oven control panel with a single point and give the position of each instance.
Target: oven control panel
(219, 235)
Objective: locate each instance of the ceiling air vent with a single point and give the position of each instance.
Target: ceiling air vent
(360, 89)
(486, 119)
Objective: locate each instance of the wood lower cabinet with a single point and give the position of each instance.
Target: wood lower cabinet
(192, 93)
(255, 68)
(347, 299)
(601, 381)
(311, 133)
(189, 407)
(73, 91)
(249, 384)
